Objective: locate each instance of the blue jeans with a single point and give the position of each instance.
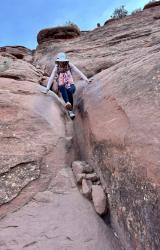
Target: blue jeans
(67, 94)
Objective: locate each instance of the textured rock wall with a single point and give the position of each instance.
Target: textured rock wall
(117, 124)
(118, 131)
(118, 117)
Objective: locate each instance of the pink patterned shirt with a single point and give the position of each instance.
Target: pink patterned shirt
(65, 78)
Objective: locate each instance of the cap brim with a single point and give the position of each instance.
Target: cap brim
(59, 60)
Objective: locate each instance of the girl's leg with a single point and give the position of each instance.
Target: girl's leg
(64, 93)
(70, 92)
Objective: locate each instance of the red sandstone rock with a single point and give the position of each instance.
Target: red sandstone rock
(99, 199)
(66, 32)
(77, 167)
(87, 188)
(19, 52)
(151, 5)
(26, 136)
(92, 177)
(117, 120)
(18, 69)
(118, 123)
(46, 210)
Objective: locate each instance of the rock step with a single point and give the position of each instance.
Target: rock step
(90, 185)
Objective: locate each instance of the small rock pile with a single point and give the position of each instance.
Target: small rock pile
(90, 185)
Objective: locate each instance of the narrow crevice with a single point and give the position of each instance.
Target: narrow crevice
(15, 77)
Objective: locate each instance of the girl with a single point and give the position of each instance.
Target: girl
(63, 72)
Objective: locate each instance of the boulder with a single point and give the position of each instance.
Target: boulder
(87, 188)
(61, 32)
(77, 168)
(99, 199)
(18, 69)
(87, 168)
(82, 166)
(92, 177)
(19, 52)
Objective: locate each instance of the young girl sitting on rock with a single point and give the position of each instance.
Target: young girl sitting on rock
(63, 72)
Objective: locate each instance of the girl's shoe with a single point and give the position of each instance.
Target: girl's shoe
(71, 114)
(68, 106)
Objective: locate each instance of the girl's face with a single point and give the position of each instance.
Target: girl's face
(62, 64)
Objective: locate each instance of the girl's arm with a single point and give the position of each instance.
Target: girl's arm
(75, 69)
(50, 81)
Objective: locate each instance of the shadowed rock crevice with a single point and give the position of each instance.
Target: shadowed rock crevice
(129, 36)
(133, 199)
(15, 77)
(133, 196)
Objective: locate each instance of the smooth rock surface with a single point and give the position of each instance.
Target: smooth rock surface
(26, 135)
(99, 199)
(87, 188)
(117, 122)
(48, 211)
(92, 177)
(19, 52)
(18, 69)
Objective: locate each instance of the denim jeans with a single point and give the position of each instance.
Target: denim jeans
(67, 94)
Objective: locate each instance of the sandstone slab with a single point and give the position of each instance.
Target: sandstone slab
(99, 199)
(18, 69)
(93, 177)
(87, 188)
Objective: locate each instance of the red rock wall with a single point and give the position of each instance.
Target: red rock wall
(118, 122)
(118, 128)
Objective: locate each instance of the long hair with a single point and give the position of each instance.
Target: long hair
(63, 67)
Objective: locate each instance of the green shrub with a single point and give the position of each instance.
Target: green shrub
(119, 12)
(69, 23)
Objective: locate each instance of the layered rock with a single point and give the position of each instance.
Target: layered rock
(90, 186)
(18, 69)
(99, 199)
(117, 125)
(19, 52)
(64, 32)
(37, 191)
(152, 4)
(118, 121)
(118, 128)
(26, 136)
(104, 44)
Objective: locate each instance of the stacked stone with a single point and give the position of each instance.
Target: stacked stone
(90, 185)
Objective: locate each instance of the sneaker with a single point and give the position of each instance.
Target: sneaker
(68, 106)
(71, 114)
(44, 91)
